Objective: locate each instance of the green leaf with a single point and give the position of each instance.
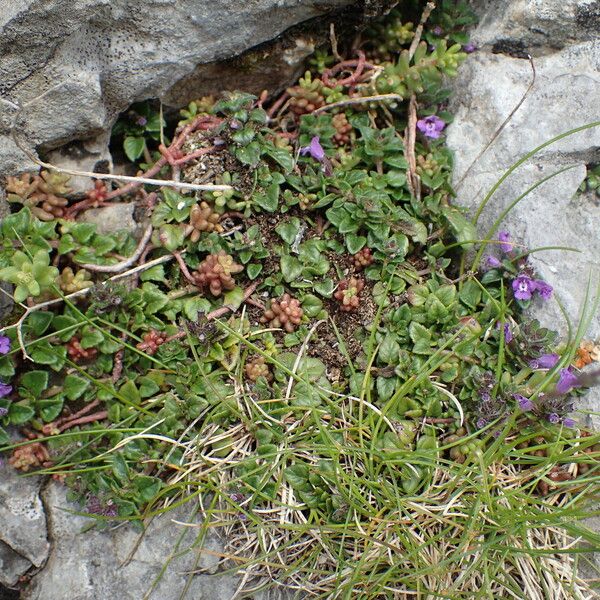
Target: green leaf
(462, 229)
(130, 392)
(171, 237)
(35, 382)
(50, 409)
(297, 477)
(269, 199)
(354, 242)
(44, 354)
(421, 338)
(281, 156)
(154, 299)
(147, 487)
(250, 154)
(290, 268)
(39, 321)
(7, 368)
(311, 305)
(193, 306)
(386, 386)
(156, 273)
(74, 386)
(148, 387)
(19, 413)
(288, 230)
(4, 439)
(91, 337)
(389, 350)
(120, 468)
(470, 294)
(253, 270)
(324, 288)
(234, 297)
(134, 147)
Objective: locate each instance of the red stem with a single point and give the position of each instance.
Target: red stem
(99, 416)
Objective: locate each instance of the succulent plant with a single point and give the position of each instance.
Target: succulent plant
(215, 272)
(31, 276)
(285, 312)
(343, 129)
(151, 341)
(363, 258)
(42, 194)
(70, 282)
(77, 352)
(348, 292)
(307, 96)
(203, 218)
(258, 368)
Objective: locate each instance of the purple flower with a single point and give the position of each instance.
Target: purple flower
(469, 47)
(523, 287)
(431, 126)
(553, 418)
(141, 121)
(545, 361)
(481, 423)
(525, 404)
(314, 149)
(492, 262)
(568, 422)
(5, 389)
(437, 30)
(566, 381)
(543, 289)
(505, 244)
(3, 411)
(508, 336)
(4, 344)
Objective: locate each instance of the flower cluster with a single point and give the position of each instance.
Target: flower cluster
(5, 389)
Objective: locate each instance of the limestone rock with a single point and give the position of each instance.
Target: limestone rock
(23, 535)
(564, 97)
(74, 66)
(536, 27)
(97, 565)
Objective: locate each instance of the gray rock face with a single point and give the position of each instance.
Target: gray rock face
(536, 27)
(564, 36)
(92, 58)
(565, 96)
(23, 535)
(120, 563)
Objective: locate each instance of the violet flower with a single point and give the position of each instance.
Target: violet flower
(3, 411)
(525, 404)
(566, 381)
(141, 121)
(437, 30)
(543, 289)
(481, 423)
(545, 361)
(508, 336)
(492, 262)
(314, 149)
(505, 245)
(5, 389)
(469, 47)
(568, 422)
(431, 126)
(553, 418)
(523, 287)
(4, 344)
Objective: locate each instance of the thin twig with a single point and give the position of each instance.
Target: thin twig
(419, 31)
(333, 41)
(360, 100)
(125, 264)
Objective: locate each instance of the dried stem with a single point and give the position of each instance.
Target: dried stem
(125, 264)
(360, 100)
